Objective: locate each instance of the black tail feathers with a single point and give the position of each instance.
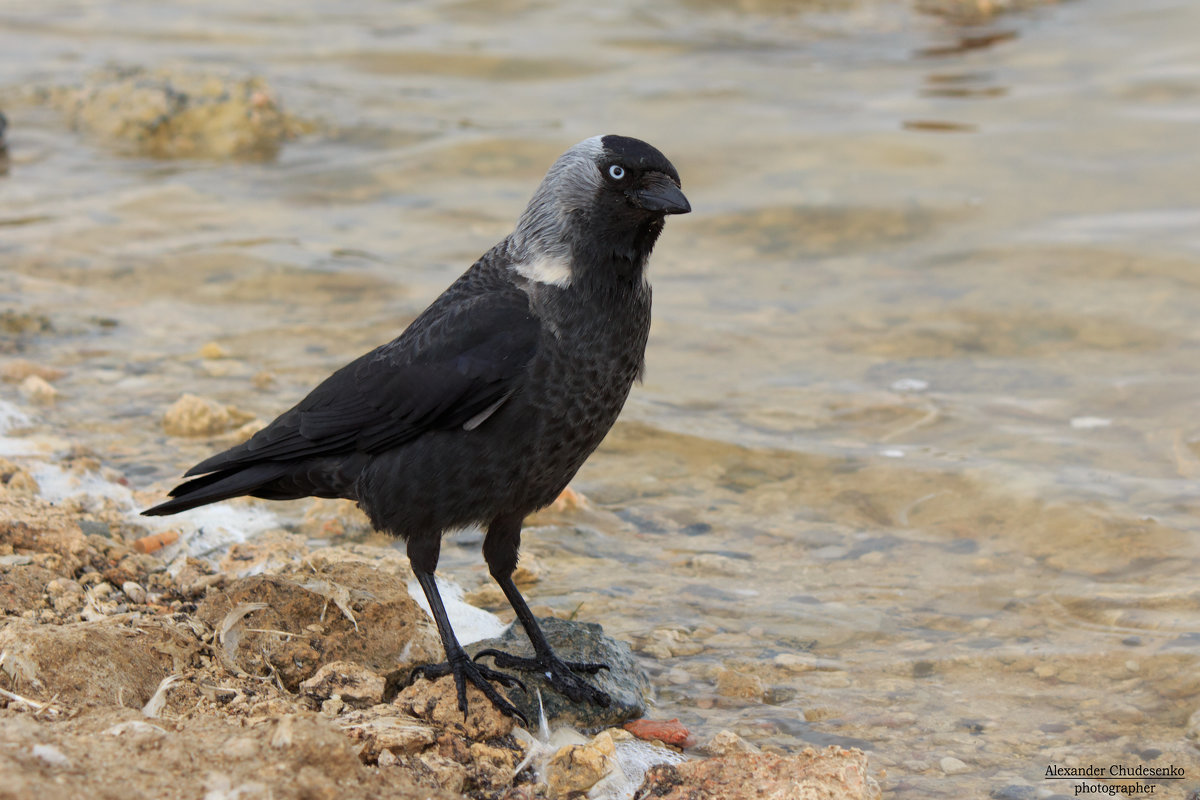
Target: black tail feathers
(218, 486)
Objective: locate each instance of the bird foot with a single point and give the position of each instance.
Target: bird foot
(464, 669)
(558, 673)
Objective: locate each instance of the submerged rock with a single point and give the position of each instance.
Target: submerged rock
(192, 415)
(624, 681)
(170, 114)
(831, 773)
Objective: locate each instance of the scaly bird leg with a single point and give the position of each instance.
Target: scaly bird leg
(500, 551)
(457, 663)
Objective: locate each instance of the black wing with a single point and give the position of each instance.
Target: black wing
(452, 365)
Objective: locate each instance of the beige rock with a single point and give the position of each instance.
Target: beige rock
(167, 114)
(953, 766)
(65, 594)
(436, 703)
(134, 591)
(447, 773)
(669, 642)
(191, 415)
(213, 350)
(357, 686)
(727, 743)
(36, 389)
(386, 729)
(732, 683)
(17, 479)
(528, 571)
(579, 767)
(796, 662)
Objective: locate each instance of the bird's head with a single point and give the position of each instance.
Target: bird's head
(598, 212)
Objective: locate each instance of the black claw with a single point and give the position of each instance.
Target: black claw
(464, 670)
(559, 674)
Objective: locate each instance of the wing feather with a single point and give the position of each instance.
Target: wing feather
(447, 369)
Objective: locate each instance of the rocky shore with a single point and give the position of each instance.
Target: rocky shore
(130, 667)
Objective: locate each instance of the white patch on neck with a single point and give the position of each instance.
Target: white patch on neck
(545, 269)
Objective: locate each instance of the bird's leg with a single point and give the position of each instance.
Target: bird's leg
(424, 555)
(500, 548)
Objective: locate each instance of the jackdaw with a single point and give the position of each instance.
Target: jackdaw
(483, 409)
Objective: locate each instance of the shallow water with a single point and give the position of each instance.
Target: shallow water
(917, 448)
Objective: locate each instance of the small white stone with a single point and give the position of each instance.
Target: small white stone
(51, 755)
(134, 591)
(910, 385)
(953, 766)
(795, 662)
(679, 676)
(37, 390)
(1085, 423)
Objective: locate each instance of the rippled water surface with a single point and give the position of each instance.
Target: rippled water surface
(914, 466)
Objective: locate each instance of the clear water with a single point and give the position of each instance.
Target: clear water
(918, 445)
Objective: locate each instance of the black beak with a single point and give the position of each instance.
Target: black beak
(658, 192)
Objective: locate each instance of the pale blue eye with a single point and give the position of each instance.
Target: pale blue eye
(616, 171)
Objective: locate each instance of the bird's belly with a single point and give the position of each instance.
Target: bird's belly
(516, 462)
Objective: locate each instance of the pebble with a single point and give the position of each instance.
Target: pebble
(51, 755)
(953, 766)
(732, 683)
(37, 390)
(678, 676)
(579, 767)
(213, 350)
(725, 742)
(134, 591)
(65, 594)
(795, 662)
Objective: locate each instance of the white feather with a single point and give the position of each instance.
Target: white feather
(546, 269)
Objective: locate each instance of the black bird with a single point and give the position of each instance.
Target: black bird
(483, 410)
